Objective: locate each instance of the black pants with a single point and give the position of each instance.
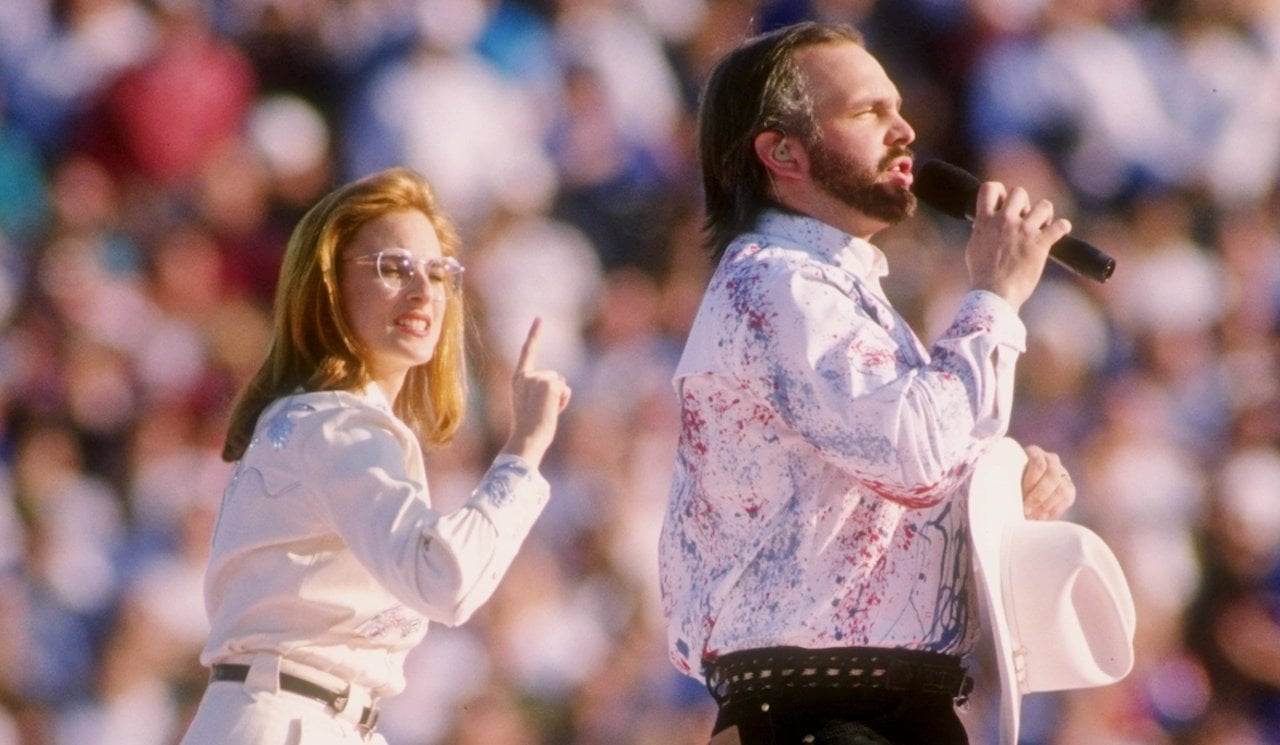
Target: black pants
(874, 697)
(857, 718)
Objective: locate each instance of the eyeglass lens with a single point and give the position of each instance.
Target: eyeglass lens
(397, 269)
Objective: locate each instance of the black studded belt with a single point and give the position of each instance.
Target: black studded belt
(336, 700)
(795, 670)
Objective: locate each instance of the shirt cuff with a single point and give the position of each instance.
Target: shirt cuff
(989, 309)
(512, 492)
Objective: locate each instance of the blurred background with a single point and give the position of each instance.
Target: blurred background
(154, 155)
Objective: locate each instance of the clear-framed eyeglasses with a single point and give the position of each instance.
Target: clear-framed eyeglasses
(397, 267)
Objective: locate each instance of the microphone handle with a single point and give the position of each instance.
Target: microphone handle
(1083, 258)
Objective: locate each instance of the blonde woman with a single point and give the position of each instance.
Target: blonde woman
(329, 561)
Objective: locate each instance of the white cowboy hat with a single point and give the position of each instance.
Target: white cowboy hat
(1059, 606)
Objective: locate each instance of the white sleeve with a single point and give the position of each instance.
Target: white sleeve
(840, 369)
(443, 565)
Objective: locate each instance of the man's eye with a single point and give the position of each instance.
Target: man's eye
(875, 112)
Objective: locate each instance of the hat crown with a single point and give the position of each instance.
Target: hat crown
(1070, 614)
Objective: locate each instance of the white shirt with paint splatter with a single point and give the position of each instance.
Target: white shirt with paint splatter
(328, 552)
(818, 479)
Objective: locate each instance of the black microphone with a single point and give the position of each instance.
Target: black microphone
(954, 191)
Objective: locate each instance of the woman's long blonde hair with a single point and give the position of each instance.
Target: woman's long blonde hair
(312, 347)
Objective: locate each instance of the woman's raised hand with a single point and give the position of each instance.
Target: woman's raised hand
(537, 398)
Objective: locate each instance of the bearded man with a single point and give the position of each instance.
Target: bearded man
(814, 559)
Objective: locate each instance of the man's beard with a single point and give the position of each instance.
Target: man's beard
(857, 187)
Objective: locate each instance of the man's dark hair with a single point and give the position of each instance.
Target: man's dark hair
(756, 87)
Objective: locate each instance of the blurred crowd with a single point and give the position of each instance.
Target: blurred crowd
(155, 154)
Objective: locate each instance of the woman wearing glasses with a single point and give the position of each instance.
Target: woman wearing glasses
(328, 559)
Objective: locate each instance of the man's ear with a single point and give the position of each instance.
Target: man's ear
(778, 155)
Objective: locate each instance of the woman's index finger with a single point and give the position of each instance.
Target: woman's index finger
(530, 347)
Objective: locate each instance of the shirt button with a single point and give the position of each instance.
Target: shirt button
(764, 707)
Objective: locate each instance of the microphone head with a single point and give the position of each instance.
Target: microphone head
(947, 188)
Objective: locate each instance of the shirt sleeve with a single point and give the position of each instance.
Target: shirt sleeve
(845, 372)
(443, 565)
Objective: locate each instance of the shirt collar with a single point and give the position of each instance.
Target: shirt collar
(372, 393)
(855, 255)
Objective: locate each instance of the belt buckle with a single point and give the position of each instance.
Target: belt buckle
(340, 701)
(368, 719)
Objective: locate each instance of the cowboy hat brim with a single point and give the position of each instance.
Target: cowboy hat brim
(995, 499)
